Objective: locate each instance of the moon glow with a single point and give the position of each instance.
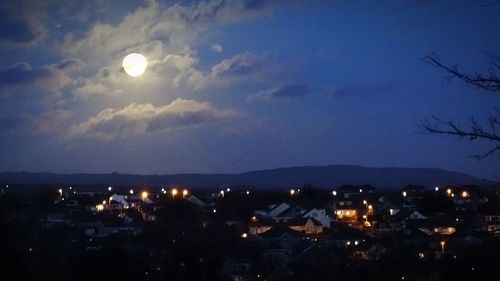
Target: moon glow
(134, 64)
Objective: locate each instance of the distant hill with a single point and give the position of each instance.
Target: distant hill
(323, 176)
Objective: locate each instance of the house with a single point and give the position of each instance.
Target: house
(276, 210)
(196, 201)
(348, 195)
(397, 221)
(282, 236)
(369, 250)
(344, 236)
(319, 215)
(283, 243)
(308, 225)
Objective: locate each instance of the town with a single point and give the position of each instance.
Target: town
(244, 233)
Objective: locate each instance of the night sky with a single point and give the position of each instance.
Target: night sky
(239, 85)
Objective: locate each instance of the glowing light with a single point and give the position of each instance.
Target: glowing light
(421, 255)
(370, 207)
(134, 64)
(185, 192)
(391, 212)
(60, 191)
(174, 192)
(360, 190)
(104, 202)
(99, 207)
(442, 243)
(292, 192)
(110, 188)
(131, 191)
(214, 211)
(334, 193)
(465, 194)
(244, 235)
(404, 194)
(356, 242)
(254, 218)
(144, 194)
(348, 243)
(448, 191)
(248, 192)
(364, 202)
(339, 212)
(436, 188)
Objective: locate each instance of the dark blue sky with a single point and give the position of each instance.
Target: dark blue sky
(239, 85)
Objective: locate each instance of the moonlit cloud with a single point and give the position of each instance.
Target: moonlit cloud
(140, 118)
(50, 121)
(238, 65)
(178, 25)
(216, 48)
(22, 77)
(280, 92)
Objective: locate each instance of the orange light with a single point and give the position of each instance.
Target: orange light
(174, 192)
(144, 194)
(185, 192)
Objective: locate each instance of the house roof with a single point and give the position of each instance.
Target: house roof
(404, 214)
(302, 221)
(280, 229)
(342, 231)
(412, 233)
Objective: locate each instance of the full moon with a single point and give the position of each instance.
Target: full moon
(134, 64)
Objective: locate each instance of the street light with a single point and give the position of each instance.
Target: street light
(442, 243)
(144, 195)
(131, 191)
(174, 192)
(185, 192)
(292, 192)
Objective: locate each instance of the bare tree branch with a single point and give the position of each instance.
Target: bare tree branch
(475, 131)
(488, 82)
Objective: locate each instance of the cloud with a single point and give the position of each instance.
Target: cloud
(69, 64)
(47, 122)
(168, 73)
(238, 65)
(363, 90)
(46, 79)
(21, 26)
(177, 25)
(140, 118)
(216, 48)
(280, 92)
